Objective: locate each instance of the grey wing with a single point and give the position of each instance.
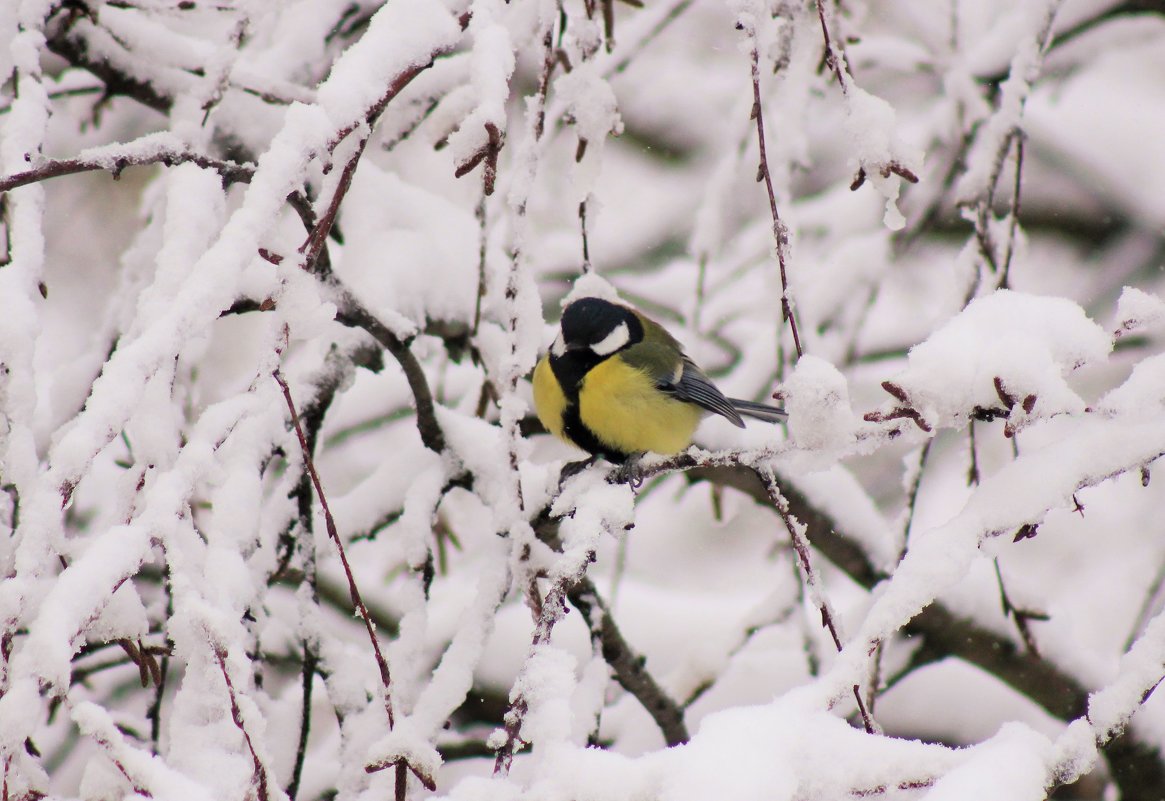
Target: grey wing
(695, 387)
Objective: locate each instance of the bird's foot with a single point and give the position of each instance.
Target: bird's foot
(628, 473)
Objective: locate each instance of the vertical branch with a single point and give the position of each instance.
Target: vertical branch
(1020, 616)
(310, 661)
(586, 249)
(553, 608)
(780, 231)
(155, 712)
(1013, 213)
(310, 647)
(833, 59)
(812, 581)
(330, 524)
(996, 135)
(912, 498)
(915, 482)
(482, 247)
(808, 646)
(984, 214)
(528, 164)
(973, 468)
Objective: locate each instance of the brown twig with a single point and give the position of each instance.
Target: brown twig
(797, 533)
(482, 249)
(260, 773)
(73, 47)
(780, 232)
(552, 608)
(984, 204)
(330, 524)
(832, 59)
(110, 751)
(314, 243)
(168, 155)
(486, 155)
(912, 498)
(912, 784)
(615, 67)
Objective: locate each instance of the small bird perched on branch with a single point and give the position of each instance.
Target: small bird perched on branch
(616, 384)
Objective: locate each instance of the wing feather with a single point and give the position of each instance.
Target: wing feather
(695, 387)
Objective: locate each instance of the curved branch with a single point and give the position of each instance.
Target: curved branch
(941, 633)
(627, 665)
(353, 313)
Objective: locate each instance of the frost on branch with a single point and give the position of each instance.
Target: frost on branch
(276, 519)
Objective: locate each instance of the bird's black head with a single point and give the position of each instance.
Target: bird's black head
(598, 326)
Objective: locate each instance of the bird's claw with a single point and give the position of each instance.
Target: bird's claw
(628, 473)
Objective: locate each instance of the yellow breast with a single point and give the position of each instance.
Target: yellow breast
(549, 402)
(622, 407)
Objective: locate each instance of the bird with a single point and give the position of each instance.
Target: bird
(616, 384)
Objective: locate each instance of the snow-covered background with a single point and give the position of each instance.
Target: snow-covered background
(235, 233)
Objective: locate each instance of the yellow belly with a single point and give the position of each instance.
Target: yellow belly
(622, 407)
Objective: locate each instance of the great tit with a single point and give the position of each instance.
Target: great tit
(616, 384)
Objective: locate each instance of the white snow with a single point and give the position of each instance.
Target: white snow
(153, 489)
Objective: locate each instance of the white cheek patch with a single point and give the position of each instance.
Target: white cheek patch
(612, 341)
(558, 347)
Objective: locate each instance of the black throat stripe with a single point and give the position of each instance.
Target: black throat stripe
(580, 435)
(569, 370)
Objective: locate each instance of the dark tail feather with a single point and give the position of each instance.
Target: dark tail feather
(770, 414)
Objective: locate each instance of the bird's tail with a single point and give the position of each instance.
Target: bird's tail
(770, 414)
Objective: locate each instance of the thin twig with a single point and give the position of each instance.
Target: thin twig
(912, 498)
(314, 243)
(310, 660)
(832, 59)
(552, 609)
(637, 47)
(169, 155)
(780, 232)
(110, 751)
(797, 533)
(482, 246)
(1020, 616)
(1013, 214)
(528, 161)
(586, 249)
(330, 524)
(237, 716)
(1152, 596)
